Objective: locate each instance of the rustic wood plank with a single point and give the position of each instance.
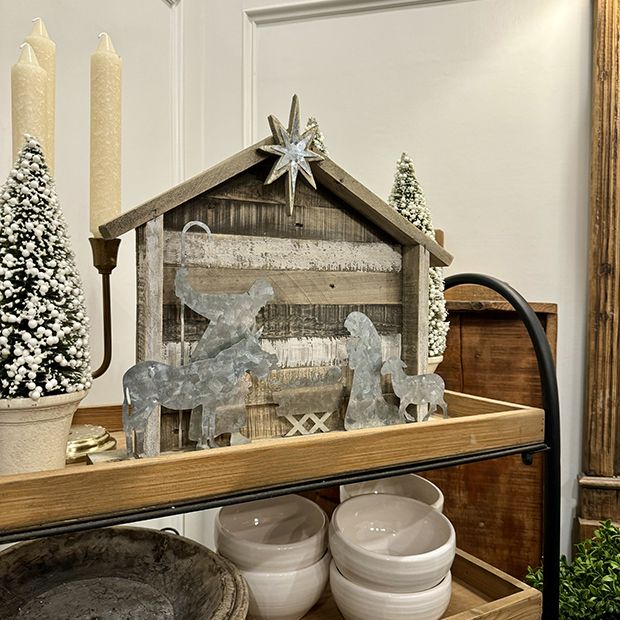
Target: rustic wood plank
(290, 321)
(184, 191)
(108, 416)
(451, 367)
(174, 430)
(150, 274)
(299, 287)
(297, 352)
(47, 497)
(506, 510)
(602, 427)
(473, 297)
(599, 503)
(520, 606)
(599, 482)
(489, 353)
(587, 527)
(262, 422)
(415, 309)
(496, 306)
(245, 206)
(306, 321)
(301, 352)
(274, 253)
(377, 211)
(550, 323)
(494, 583)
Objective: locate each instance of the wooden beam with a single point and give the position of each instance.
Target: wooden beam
(295, 287)
(78, 491)
(245, 252)
(149, 327)
(601, 450)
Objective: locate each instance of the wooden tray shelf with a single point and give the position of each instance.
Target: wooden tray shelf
(478, 591)
(477, 425)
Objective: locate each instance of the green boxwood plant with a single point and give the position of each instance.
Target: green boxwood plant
(590, 585)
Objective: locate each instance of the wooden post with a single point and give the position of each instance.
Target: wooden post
(415, 268)
(416, 263)
(602, 441)
(150, 278)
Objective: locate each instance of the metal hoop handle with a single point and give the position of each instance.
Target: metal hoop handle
(184, 231)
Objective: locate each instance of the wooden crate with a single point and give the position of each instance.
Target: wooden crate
(490, 354)
(478, 591)
(477, 425)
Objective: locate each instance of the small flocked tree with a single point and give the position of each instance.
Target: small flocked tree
(318, 145)
(43, 326)
(408, 199)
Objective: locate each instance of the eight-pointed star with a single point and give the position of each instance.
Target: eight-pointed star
(293, 152)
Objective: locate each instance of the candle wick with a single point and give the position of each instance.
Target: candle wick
(36, 19)
(101, 34)
(21, 47)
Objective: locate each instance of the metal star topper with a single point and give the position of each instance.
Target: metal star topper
(293, 151)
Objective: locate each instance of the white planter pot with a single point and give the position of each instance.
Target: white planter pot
(33, 434)
(433, 362)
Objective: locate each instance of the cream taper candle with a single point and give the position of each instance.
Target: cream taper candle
(105, 134)
(28, 97)
(45, 51)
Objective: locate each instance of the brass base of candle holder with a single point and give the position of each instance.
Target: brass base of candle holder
(105, 254)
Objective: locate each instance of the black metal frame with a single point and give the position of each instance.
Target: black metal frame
(551, 447)
(551, 405)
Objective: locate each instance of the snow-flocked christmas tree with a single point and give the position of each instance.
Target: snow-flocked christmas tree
(43, 325)
(408, 199)
(318, 144)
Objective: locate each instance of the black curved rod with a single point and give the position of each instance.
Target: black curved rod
(551, 404)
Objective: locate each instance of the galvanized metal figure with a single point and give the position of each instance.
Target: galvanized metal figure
(415, 389)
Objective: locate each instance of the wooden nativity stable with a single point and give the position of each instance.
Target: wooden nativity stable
(342, 249)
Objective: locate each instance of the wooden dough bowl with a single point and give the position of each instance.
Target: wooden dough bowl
(119, 573)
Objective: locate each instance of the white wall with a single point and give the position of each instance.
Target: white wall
(490, 97)
(140, 31)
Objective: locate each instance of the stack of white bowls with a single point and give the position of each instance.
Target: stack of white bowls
(391, 558)
(280, 546)
(407, 485)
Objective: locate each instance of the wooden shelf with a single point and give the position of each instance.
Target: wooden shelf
(478, 591)
(476, 426)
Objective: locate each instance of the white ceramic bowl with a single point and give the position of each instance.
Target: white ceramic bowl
(276, 534)
(289, 595)
(356, 602)
(391, 543)
(408, 485)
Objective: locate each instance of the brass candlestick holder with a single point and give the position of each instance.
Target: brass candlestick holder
(105, 253)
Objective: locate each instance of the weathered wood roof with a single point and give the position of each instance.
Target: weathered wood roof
(326, 173)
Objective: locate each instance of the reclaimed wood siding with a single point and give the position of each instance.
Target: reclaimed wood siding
(245, 206)
(324, 262)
